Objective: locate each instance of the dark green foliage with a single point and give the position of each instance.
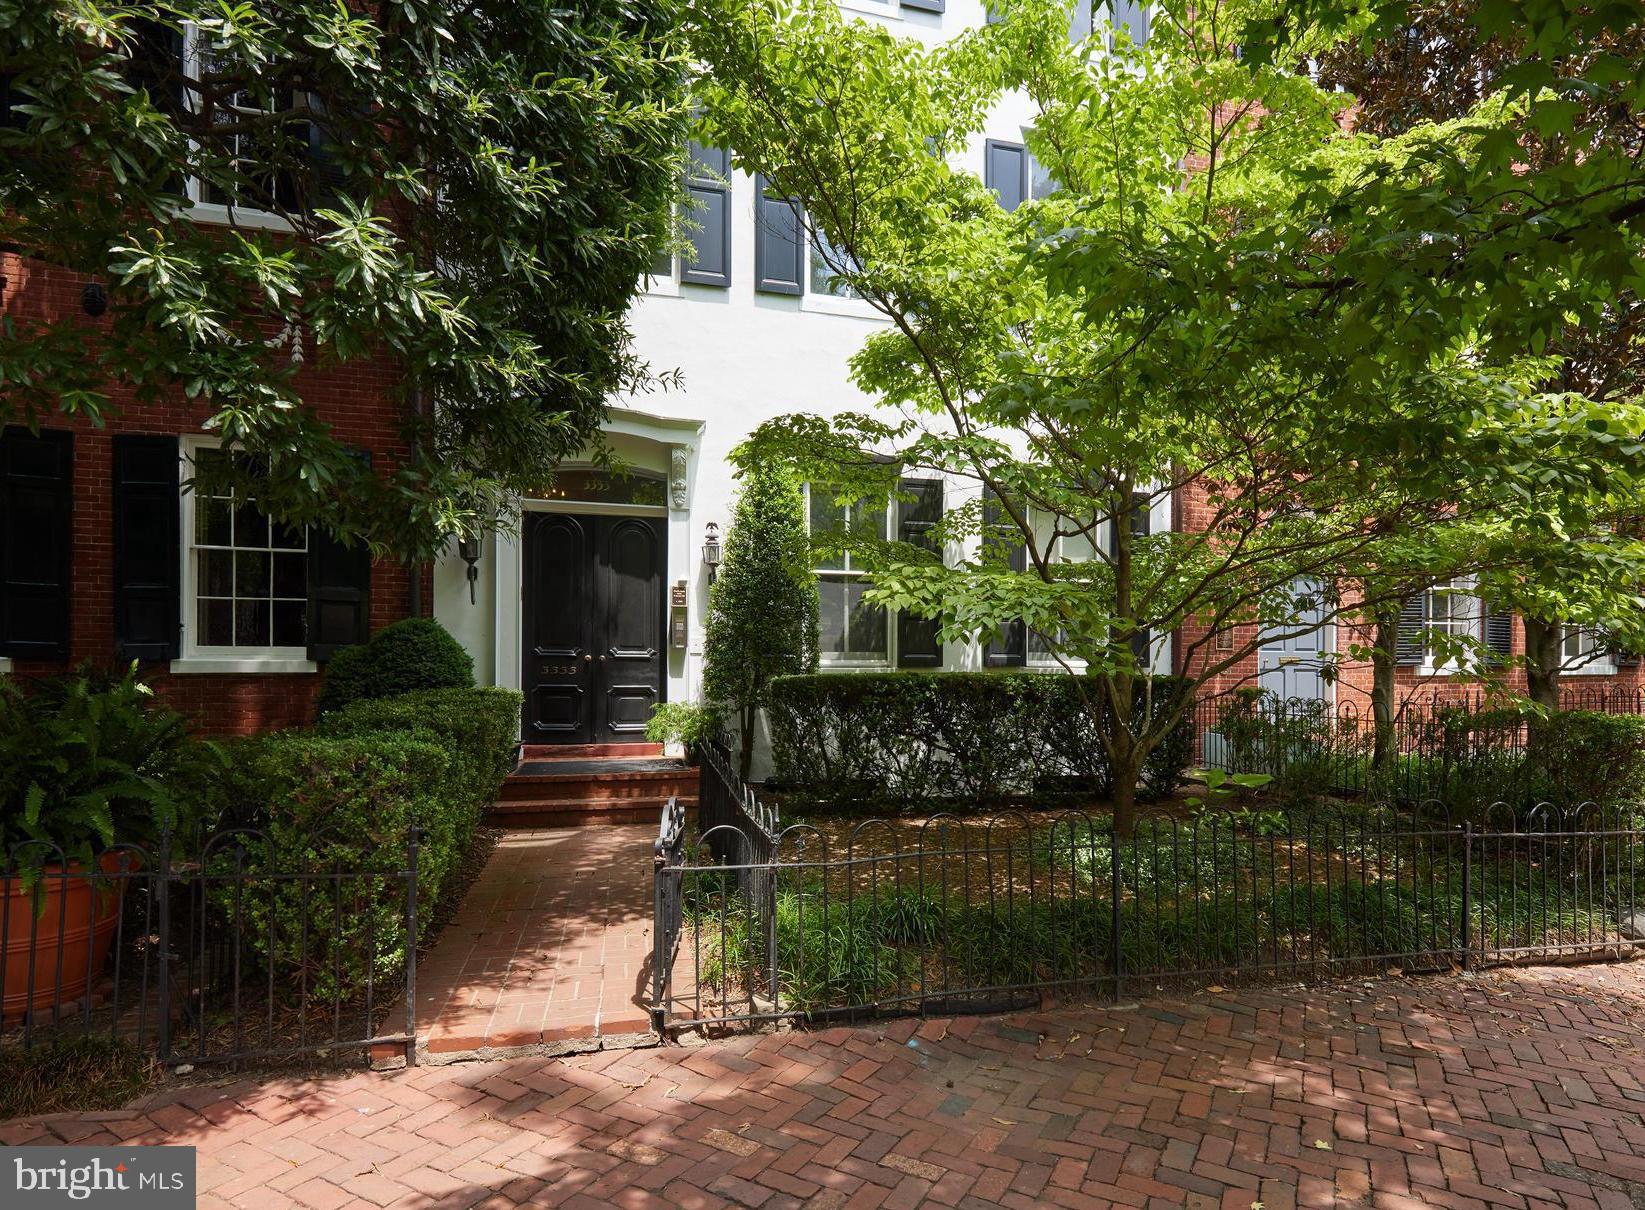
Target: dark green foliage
(477, 728)
(762, 610)
(85, 1073)
(910, 739)
(416, 653)
(88, 760)
(345, 806)
(1582, 756)
(489, 181)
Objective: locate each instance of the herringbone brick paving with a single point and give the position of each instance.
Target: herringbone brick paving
(1522, 1089)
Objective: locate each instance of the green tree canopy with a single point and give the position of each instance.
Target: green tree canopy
(472, 190)
(1314, 338)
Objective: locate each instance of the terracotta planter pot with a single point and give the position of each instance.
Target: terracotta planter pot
(70, 937)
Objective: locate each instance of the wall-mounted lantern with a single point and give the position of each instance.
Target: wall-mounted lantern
(94, 300)
(468, 549)
(713, 553)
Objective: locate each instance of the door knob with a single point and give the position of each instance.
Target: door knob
(602, 659)
(587, 658)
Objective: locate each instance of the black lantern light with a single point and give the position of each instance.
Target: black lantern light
(713, 553)
(468, 549)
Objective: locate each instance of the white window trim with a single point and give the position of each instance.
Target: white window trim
(854, 663)
(201, 660)
(1603, 664)
(1468, 586)
(199, 209)
(5, 664)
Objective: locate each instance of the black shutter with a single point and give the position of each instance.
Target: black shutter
(36, 511)
(708, 186)
(147, 544)
(917, 520)
(339, 595)
(1005, 171)
(329, 183)
(1413, 620)
(1499, 634)
(779, 243)
(1009, 646)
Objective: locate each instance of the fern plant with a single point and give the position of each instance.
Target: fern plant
(88, 761)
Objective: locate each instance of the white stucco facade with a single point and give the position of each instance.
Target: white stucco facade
(742, 357)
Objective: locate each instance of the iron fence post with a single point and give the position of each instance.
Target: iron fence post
(162, 975)
(1116, 954)
(1467, 880)
(411, 948)
(659, 915)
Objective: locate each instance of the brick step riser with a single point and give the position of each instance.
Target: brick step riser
(574, 814)
(595, 789)
(586, 751)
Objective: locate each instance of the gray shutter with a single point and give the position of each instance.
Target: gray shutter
(917, 520)
(1499, 634)
(1009, 646)
(1413, 620)
(925, 6)
(1005, 171)
(36, 512)
(779, 243)
(708, 190)
(1079, 21)
(1131, 17)
(147, 547)
(1140, 522)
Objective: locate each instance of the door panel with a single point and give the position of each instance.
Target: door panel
(593, 622)
(1290, 665)
(631, 592)
(558, 618)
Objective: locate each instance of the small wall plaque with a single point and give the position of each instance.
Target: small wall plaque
(676, 594)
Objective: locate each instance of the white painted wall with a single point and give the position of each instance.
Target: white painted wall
(743, 358)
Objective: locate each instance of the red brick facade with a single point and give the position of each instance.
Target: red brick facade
(361, 400)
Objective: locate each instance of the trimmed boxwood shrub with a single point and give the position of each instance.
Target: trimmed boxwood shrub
(1583, 756)
(900, 739)
(415, 653)
(477, 728)
(346, 804)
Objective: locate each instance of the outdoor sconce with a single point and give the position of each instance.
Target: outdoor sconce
(712, 551)
(468, 549)
(94, 300)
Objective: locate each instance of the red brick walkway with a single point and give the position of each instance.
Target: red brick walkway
(1522, 1090)
(551, 945)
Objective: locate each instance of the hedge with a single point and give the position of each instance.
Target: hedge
(346, 796)
(411, 654)
(903, 740)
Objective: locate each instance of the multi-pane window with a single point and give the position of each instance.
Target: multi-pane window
(250, 574)
(1453, 610)
(262, 150)
(851, 629)
(1582, 648)
(825, 257)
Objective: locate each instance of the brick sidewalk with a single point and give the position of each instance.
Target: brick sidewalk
(1521, 1089)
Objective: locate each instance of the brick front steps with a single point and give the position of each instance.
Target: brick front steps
(551, 789)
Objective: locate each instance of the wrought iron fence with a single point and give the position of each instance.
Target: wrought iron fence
(954, 914)
(230, 950)
(1468, 752)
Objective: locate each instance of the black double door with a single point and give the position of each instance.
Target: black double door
(593, 627)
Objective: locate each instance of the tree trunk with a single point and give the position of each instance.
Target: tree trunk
(1542, 661)
(1382, 691)
(1125, 800)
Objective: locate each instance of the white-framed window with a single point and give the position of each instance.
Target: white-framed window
(245, 577)
(851, 631)
(1583, 651)
(1454, 609)
(823, 257)
(248, 150)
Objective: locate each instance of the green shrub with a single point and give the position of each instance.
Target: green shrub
(686, 723)
(910, 740)
(88, 760)
(416, 653)
(1583, 756)
(343, 804)
(477, 728)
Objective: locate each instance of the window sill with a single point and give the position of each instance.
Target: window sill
(221, 216)
(829, 304)
(1591, 670)
(826, 665)
(660, 287)
(205, 665)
